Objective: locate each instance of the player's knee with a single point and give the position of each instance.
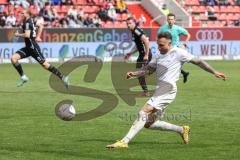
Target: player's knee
(14, 59)
(45, 65)
(151, 119)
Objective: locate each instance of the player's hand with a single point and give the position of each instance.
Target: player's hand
(220, 75)
(145, 58)
(38, 39)
(126, 57)
(16, 34)
(130, 75)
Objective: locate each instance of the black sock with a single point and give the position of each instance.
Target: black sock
(18, 67)
(55, 71)
(183, 72)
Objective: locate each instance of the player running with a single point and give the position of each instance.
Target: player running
(32, 49)
(142, 46)
(168, 67)
(176, 32)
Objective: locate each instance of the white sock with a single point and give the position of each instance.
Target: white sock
(161, 125)
(136, 127)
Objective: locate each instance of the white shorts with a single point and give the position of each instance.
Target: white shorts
(160, 102)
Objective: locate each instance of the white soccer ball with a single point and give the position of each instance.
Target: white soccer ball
(66, 112)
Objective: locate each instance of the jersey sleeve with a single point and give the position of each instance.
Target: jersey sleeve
(139, 32)
(184, 55)
(182, 31)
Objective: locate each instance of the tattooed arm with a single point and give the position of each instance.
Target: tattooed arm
(146, 70)
(204, 65)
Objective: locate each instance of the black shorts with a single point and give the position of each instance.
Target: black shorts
(35, 53)
(141, 62)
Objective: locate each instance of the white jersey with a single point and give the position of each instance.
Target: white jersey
(168, 66)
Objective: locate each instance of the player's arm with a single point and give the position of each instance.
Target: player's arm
(26, 34)
(183, 31)
(188, 36)
(204, 65)
(146, 70)
(131, 53)
(145, 41)
(39, 32)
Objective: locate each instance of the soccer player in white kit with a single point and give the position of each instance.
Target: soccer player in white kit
(168, 68)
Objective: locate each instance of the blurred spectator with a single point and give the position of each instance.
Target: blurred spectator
(211, 2)
(1, 8)
(88, 22)
(71, 21)
(210, 13)
(80, 13)
(91, 1)
(202, 2)
(238, 2)
(39, 20)
(165, 10)
(97, 21)
(112, 15)
(11, 20)
(223, 2)
(3, 20)
(142, 20)
(67, 2)
(64, 23)
(73, 12)
(102, 13)
(121, 7)
(56, 2)
(80, 20)
(44, 13)
(39, 3)
(25, 4)
(237, 22)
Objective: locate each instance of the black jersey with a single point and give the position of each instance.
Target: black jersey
(136, 37)
(29, 25)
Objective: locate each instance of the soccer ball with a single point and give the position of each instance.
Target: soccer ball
(66, 112)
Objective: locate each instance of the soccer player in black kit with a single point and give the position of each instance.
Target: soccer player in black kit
(32, 49)
(142, 46)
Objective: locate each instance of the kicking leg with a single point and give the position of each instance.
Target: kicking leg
(154, 124)
(55, 71)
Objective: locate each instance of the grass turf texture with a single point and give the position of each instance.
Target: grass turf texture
(30, 130)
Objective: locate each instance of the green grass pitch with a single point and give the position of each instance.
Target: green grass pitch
(29, 129)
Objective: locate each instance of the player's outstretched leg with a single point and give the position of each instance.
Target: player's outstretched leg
(185, 76)
(136, 127)
(58, 73)
(18, 67)
(184, 131)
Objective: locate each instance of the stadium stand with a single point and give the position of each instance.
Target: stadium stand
(75, 13)
(213, 13)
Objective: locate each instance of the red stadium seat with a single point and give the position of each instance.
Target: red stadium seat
(236, 9)
(222, 16)
(202, 9)
(64, 9)
(125, 16)
(216, 8)
(203, 17)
